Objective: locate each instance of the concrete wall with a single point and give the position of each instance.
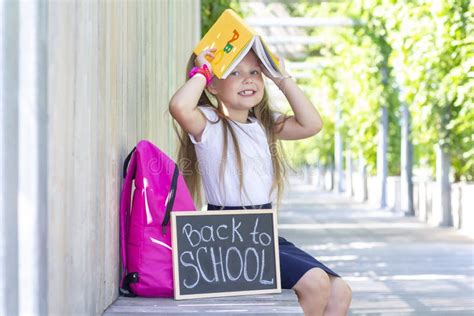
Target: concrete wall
(82, 82)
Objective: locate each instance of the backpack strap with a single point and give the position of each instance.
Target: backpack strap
(129, 169)
(170, 199)
(126, 162)
(125, 289)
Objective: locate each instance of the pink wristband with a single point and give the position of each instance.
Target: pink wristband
(204, 70)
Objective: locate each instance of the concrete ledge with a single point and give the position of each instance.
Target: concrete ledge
(284, 303)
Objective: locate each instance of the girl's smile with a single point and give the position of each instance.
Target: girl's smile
(247, 93)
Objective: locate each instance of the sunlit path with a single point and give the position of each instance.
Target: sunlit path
(394, 264)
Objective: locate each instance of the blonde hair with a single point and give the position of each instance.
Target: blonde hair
(187, 159)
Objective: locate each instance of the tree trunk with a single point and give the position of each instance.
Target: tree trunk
(363, 177)
(406, 164)
(307, 174)
(338, 155)
(442, 197)
(331, 178)
(319, 180)
(348, 184)
(382, 157)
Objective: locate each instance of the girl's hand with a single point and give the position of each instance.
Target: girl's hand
(205, 57)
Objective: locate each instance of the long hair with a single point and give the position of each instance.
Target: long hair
(187, 159)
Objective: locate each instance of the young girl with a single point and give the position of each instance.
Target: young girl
(228, 140)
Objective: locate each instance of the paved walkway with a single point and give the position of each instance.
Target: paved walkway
(394, 264)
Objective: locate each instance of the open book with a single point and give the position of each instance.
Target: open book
(233, 39)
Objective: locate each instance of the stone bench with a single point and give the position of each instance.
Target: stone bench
(265, 304)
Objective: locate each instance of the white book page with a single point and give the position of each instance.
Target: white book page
(266, 59)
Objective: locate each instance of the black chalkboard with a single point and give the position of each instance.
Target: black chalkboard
(223, 253)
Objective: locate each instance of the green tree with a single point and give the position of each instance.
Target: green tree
(434, 53)
(428, 47)
(212, 9)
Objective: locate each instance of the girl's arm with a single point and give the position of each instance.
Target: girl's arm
(183, 104)
(306, 121)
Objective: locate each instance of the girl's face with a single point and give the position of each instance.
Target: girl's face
(244, 87)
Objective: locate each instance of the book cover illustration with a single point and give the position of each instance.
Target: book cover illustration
(233, 38)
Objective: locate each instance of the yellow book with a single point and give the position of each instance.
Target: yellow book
(233, 38)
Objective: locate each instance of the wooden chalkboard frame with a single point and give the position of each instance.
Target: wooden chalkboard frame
(175, 250)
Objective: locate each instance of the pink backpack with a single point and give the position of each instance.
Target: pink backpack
(145, 234)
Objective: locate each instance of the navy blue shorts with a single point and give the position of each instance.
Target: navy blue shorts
(294, 262)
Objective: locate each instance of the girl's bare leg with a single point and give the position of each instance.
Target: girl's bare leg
(340, 298)
(313, 291)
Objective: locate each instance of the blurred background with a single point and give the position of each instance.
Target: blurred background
(81, 82)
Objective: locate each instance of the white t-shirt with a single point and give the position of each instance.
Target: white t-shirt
(256, 163)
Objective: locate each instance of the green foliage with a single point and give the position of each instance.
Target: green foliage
(360, 77)
(434, 51)
(212, 9)
(417, 52)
